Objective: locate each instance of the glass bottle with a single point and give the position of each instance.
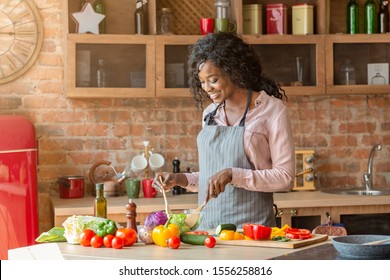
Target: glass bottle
(383, 17)
(99, 7)
(101, 74)
(370, 20)
(348, 76)
(100, 203)
(164, 21)
(352, 17)
(140, 18)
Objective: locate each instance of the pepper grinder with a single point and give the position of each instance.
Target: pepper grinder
(131, 214)
(176, 169)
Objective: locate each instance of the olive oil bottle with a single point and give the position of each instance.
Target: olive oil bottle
(100, 203)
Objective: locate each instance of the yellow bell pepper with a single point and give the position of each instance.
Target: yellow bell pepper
(231, 235)
(279, 231)
(162, 233)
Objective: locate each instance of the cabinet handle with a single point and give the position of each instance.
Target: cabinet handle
(293, 212)
(280, 212)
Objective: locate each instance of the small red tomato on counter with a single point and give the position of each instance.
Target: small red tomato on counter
(256, 231)
(97, 241)
(86, 236)
(117, 242)
(173, 242)
(107, 240)
(129, 235)
(210, 242)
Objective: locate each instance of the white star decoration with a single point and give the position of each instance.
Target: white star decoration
(87, 20)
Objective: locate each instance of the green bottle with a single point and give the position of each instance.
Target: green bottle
(370, 21)
(100, 203)
(99, 7)
(352, 17)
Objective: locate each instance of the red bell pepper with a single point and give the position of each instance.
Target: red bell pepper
(257, 232)
(295, 233)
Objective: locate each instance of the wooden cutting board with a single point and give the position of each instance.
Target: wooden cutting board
(292, 244)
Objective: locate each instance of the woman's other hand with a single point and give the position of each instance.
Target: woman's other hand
(166, 181)
(218, 182)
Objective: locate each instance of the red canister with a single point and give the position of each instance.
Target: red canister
(276, 19)
(71, 186)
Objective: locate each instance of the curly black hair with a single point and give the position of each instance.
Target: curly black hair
(236, 59)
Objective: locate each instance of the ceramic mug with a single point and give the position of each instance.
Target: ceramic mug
(156, 161)
(147, 188)
(224, 25)
(133, 187)
(206, 25)
(139, 163)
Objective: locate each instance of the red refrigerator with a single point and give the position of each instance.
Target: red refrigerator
(18, 183)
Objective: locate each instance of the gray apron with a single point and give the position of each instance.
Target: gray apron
(221, 147)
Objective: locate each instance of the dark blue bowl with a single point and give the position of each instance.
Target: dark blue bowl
(352, 246)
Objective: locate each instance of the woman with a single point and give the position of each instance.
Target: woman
(246, 149)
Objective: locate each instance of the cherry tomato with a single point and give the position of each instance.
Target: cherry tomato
(117, 242)
(210, 242)
(86, 236)
(129, 235)
(97, 241)
(173, 242)
(107, 240)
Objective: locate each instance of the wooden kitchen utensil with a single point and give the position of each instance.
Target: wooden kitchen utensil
(193, 217)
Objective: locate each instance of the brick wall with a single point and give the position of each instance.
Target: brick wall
(74, 134)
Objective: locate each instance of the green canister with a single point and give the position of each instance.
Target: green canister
(252, 19)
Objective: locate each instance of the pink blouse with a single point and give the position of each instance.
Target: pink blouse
(268, 144)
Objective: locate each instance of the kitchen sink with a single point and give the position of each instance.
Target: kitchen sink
(357, 191)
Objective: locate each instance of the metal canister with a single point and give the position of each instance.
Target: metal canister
(302, 19)
(252, 19)
(276, 19)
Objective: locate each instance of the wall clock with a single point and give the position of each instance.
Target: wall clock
(21, 37)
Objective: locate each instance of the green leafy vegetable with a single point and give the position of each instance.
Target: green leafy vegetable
(75, 225)
(179, 220)
(56, 234)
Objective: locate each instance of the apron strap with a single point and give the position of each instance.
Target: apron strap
(209, 118)
(248, 103)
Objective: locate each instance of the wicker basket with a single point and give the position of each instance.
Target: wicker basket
(186, 14)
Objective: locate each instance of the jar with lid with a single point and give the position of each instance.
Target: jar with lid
(165, 21)
(222, 8)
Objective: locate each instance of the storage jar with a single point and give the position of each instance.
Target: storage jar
(302, 19)
(276, 19)
(252, 19)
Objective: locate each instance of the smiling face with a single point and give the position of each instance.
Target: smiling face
(215, 83)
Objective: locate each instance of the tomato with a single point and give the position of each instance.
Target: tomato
(210, 242)
(97, 241)
(129, 235)
(86, 236)
(117, 242)
(173, 242)
(107, 240)
(257, 232)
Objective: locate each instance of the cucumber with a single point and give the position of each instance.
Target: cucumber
(222, 227)
(194, 237)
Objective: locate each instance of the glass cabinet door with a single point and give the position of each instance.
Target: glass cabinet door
(295, 62)
(171, 65)
(357, 64)
(120, 66)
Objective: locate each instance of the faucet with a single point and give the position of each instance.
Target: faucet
(368, 176)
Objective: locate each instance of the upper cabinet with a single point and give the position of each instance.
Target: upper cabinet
(121, 63)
